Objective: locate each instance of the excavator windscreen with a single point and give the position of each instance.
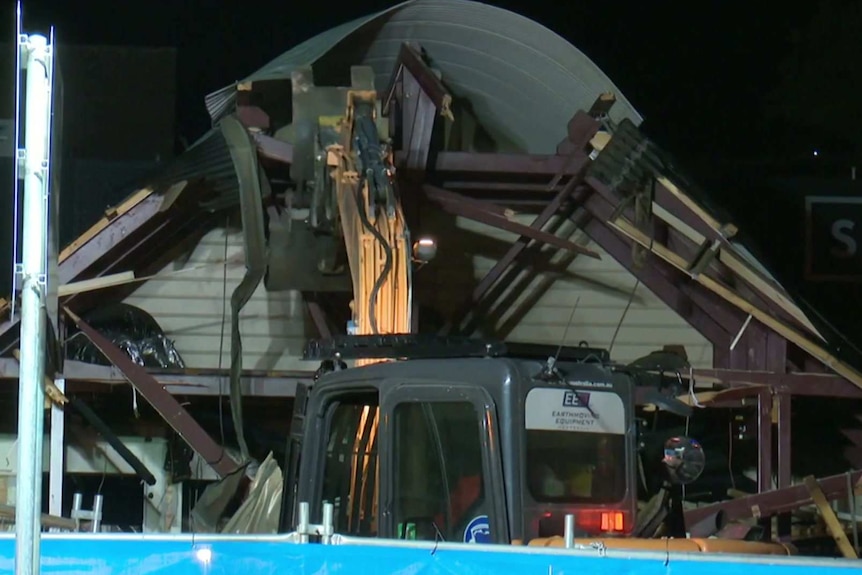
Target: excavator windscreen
(575, 467)
(576, 446)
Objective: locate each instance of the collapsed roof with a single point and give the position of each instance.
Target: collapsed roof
(522, 80)
(518, 79)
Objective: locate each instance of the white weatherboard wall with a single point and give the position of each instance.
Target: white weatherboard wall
(186, 299)
(603, 286)
(275, 325)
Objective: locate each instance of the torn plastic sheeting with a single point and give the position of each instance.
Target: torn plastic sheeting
(259, 513)
(210, 507)
(131, 329)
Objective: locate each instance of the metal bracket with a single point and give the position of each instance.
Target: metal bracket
(390, 346)
(706, 254)
(41, 279)
(23, 49)
(21, 159)
(324, 530)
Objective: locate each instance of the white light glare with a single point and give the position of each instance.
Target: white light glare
(204, 555)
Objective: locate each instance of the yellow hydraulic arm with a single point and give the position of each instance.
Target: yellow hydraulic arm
(375, 234)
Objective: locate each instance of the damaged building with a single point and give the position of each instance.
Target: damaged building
(185, 310)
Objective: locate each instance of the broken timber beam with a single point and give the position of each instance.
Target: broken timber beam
(794, 383)
(829, 517)
(169, 408)
(578, 160)
(630, 162)
(704, 311)
(490, 215)
(777, 501)
(118, 223)
(54, 521)
(629, 230)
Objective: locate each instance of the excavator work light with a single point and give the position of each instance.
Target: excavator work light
(424, 249)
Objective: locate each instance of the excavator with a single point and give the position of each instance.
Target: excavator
(443, 438)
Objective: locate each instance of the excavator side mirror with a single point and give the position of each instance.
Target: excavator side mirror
(684, 460)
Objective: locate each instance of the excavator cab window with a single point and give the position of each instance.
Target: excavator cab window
(577, 457)
(351, 470)
(576, 446)
(576, 467)
(438, 472)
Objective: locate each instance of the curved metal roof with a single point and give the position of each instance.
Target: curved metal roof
(524, 81)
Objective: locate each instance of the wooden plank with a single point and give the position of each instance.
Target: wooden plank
(110, 215)
(728, 256)
(764, 286)
(95, 284)
(8, 512)
(713, 396)
(727, 230)
(829, 517)
(628, 229)
(170, 196)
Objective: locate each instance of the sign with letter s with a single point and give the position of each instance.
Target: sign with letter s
(833, 234)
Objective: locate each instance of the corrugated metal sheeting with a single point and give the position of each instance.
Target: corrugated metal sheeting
(524, 81)
(191, 301)
(207, 158)
(221, 102)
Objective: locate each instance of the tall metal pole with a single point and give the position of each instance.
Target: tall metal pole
(31, 398)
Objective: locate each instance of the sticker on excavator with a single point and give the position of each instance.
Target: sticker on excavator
(478, 530)
(552, 409)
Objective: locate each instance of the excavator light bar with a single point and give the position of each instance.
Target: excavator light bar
(432, 346)
(541, 352)
(400, 346)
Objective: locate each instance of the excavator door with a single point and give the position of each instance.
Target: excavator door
(402, 456)
(445, 464)
(294, 450)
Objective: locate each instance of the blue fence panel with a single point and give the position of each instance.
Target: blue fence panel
(209, 555)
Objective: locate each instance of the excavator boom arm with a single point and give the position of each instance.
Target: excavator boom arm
(376, 237)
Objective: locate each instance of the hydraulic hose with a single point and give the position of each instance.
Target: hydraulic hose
(370, 154)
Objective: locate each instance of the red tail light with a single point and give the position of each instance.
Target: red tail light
(603, 521)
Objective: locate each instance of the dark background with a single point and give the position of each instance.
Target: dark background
(758, 101)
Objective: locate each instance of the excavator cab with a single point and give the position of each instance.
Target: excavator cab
(464, 441)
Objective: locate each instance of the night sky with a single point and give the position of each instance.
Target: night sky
(737, 91)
